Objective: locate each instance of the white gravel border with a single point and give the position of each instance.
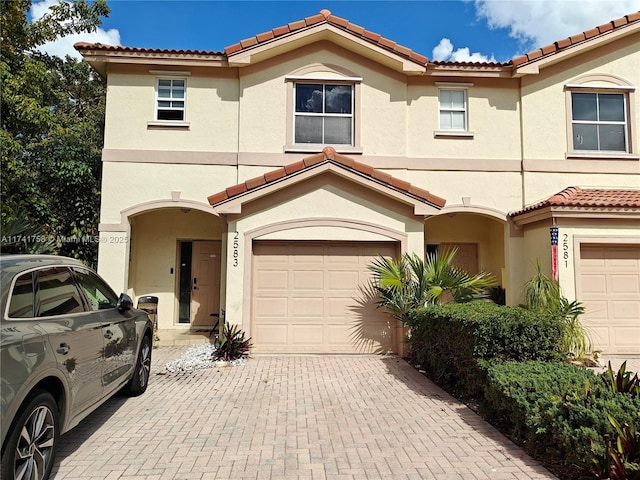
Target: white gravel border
(199, 357)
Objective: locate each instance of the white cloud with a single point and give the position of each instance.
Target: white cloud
(444, 52)
(541, 22)
(64, 46)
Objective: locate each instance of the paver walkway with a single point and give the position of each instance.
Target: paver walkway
(290, 417)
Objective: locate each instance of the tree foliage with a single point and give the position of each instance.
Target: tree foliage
(52, 116)
(410, 282)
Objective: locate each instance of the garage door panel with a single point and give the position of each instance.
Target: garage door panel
(308, 307)
(339, 334)
(343, 253)
(342, 280)
(626, 311)
(308, 280)
(600, 337)
(340, 307)
(304, 254)
(271, 334)
(628, 336)
(609, 287)
(325, 313)
(624, 284)
(307, 334)
(271, 307)
(272, 279)
(594, 283)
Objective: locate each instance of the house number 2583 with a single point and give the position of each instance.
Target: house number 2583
(236, 246)
(565, 249)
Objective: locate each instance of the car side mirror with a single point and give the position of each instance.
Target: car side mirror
(124, 303)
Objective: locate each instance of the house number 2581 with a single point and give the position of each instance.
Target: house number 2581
(236, 246)
(565, 249)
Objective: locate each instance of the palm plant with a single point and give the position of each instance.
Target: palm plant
(542, 294)
(410, 282)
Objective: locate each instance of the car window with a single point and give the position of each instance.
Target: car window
(21, 304)
(57, 293)
(98, 293)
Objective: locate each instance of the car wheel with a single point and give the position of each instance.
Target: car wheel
(138, 383)
(32, 441)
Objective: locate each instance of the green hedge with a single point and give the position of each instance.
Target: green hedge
(453, 342)
(558, 412)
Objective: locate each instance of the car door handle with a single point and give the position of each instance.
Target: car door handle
(63, 349)
(108, 334)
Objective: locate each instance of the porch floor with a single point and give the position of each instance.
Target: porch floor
(172, 337)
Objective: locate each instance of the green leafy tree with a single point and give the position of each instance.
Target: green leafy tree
(52, 117)
(410, 282)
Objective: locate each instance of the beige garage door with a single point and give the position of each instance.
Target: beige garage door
(306, 298)
(609, 286)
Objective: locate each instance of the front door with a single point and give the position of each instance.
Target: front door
(205, 283)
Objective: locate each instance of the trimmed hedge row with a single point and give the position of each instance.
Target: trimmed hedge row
(453, 341)
(509, 359)
(557, 411)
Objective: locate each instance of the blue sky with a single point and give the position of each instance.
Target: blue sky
(465, 30)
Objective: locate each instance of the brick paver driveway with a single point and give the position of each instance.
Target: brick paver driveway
(290, 417)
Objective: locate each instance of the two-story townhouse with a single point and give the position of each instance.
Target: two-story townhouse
(260, 182)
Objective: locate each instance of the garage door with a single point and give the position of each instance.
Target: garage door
(610, 289)
(306, 298)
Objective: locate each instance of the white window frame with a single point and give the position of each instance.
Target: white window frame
(324, 114)
(603, 83)
(324, 73)
(601, 123)
(171, 99)
(454, 132)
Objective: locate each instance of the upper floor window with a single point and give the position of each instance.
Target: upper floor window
(600, 117)
(453, 109)
(324, 113)
(170, 100)
(599, 121)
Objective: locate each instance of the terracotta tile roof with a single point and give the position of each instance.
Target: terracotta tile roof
(328, 155)
(588, 198)
(325, 16)
(576, 39)
(80, 46)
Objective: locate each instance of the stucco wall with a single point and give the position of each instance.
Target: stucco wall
(211, 111)
(125, 184)
(499, 190)
(263, 100)
(490, 104)
(539, 186)
(544, 116)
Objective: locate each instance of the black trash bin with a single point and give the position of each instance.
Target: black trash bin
(149, 304)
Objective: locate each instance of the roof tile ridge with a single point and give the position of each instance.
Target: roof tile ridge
(564, 196)
(575, 39)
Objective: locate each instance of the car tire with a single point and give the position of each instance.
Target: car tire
(32, 441)
(140, 379)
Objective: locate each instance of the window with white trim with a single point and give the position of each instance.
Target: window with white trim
(323, 113)
(170, 101)
(599, 121)
(453, 109)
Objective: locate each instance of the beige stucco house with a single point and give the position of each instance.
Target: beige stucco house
(258, 183)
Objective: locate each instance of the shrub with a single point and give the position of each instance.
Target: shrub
(558, 412)
(453, 342)
(233, 345)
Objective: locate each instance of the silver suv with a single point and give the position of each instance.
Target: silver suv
(67, 344)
